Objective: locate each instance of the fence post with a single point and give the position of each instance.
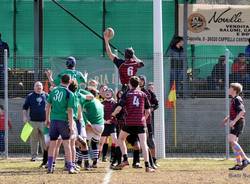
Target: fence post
(227, 54)
(6, 102)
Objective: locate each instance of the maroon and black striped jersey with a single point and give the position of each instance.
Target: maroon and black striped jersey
(134, 103)
(236, 107)
(127, 69)
(109, 107)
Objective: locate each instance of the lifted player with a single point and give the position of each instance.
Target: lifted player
(71, 71)
(128, 67)
(137, 108)
(236, 123)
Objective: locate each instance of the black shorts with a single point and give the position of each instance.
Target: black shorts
(132, 139)
(57, 128)
(238, 128)
(108, 129)
(134, 130)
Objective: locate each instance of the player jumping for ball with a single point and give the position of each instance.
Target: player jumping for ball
(236, 123)
(137, 108)
(128, 67)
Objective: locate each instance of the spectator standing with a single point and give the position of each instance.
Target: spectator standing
(3, 46)
(247, 51)
(218, 73)
(35, 103)
(176, 56)
(2, 129)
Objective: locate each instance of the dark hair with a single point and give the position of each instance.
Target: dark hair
(176, 40)
(1, 106)
(241, 55)
(129, 53)
(134, 81)
(73, 86)
(102, 85)
(0, 35)
(248, 39)
(65, 79)
(118, 93)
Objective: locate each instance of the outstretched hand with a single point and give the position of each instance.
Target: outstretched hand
(49, 73)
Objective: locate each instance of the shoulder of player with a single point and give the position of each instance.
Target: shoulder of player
(238, 99)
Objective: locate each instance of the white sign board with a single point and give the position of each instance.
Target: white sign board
(217, 24)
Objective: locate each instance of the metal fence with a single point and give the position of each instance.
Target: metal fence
(201, 104)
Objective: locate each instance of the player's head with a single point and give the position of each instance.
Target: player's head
(134, 82)
(102, 90)
(129, 53)
(71, 62)
(235, 89)
(143, 80)
(119, 95)
(38, 87)
(93, 83)
(65, 80)
(151, 86)
(73, 86)
(109, 93)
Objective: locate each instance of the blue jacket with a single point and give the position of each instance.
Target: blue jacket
(36, 104)
(247, 52)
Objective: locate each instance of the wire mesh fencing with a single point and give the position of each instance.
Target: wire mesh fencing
(196, 128)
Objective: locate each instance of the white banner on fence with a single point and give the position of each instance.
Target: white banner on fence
(217, 24)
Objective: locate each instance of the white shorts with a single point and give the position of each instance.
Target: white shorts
(96, 133)
(46, 139)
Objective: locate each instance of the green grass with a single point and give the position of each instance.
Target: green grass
(174, 171)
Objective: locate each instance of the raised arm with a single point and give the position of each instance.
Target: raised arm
(110, 54)
(50, 78)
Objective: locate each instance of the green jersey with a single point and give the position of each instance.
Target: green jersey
(74, 74)
(92, 109)
(60, 99)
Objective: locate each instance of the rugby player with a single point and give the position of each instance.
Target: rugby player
(237, 123)
(109, 105)
(150, 138)
(127, 67)
(137, 108)
(94, 113)
(59, 116)
(71, 71)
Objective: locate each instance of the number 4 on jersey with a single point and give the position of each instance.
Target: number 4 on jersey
(136, 101)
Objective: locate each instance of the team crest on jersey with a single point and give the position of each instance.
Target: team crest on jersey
(39, 100)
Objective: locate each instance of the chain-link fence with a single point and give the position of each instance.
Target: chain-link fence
(200, 105)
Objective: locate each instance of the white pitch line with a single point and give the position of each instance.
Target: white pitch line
(107, 176)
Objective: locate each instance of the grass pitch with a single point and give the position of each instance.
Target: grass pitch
(174, 171)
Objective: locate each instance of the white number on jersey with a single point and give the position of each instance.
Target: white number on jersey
(136, 101)
(130, 71)
(58, 96)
